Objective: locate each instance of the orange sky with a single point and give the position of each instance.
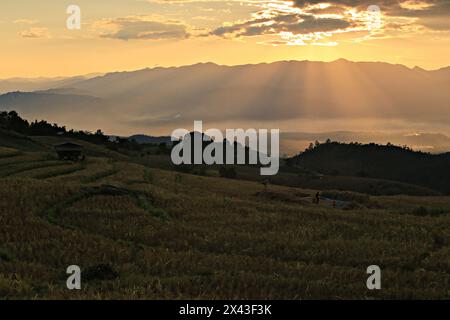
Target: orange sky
(120, 35)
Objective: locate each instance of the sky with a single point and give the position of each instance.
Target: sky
(118, 35)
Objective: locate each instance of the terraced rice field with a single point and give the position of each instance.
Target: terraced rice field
(138, 232)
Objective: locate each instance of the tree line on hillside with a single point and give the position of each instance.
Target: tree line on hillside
(13, 122)
(317, 144)
(372, 160)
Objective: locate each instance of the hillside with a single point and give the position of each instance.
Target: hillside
(155, 152)
(378, 161)
(142, 232)
(139, 232)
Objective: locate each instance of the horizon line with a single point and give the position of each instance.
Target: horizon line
(100, 74)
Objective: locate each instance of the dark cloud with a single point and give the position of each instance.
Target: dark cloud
(348, 3)
(433, 14)
(332, 9)
(314, 24)
(295, 23)
(389, 7)
(138, 28)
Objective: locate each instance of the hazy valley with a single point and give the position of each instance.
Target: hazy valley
(341, 100)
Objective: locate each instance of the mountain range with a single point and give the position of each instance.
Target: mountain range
(408, 104)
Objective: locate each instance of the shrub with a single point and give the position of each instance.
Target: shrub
(5, 255)
(228, 172)
(346, 196)
(424, 211)
(100, 272)
(148, 176)
(420, 211)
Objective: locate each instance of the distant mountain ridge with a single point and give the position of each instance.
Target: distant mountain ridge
(33, 84)
(295, 96)
(293, 142)
(142, 138)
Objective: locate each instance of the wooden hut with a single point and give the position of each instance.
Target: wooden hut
(69, 151)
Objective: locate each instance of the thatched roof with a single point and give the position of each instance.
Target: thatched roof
(68, 146)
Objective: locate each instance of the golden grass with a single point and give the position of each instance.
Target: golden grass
(179, 236)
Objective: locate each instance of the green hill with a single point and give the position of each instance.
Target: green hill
(378, 162)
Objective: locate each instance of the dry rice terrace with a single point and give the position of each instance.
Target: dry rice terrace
(143, 233)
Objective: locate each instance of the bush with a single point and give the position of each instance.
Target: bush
(346, 196)
(424, 211)
(148, 176)
(228, 172)
(5, 255)
(420, 211)
(100, 272)
(184, 168)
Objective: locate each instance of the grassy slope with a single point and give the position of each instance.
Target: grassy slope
(298, 177)
(329, 182)
(170, 235)
(9, 139)
(89, 148)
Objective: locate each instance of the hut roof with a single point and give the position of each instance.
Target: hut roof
(68, 146)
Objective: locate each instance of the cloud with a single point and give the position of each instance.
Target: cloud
(393, 8)
(415, 5)
(296, 24)
(426, 11)
(292, 25)
(25, 21)
(141, 27)
(190, 1)
(328, 22)
(302, 22)
(35, 33)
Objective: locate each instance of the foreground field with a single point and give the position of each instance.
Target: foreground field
(141, 233)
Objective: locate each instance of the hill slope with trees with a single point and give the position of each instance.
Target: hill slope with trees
(377, 161)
